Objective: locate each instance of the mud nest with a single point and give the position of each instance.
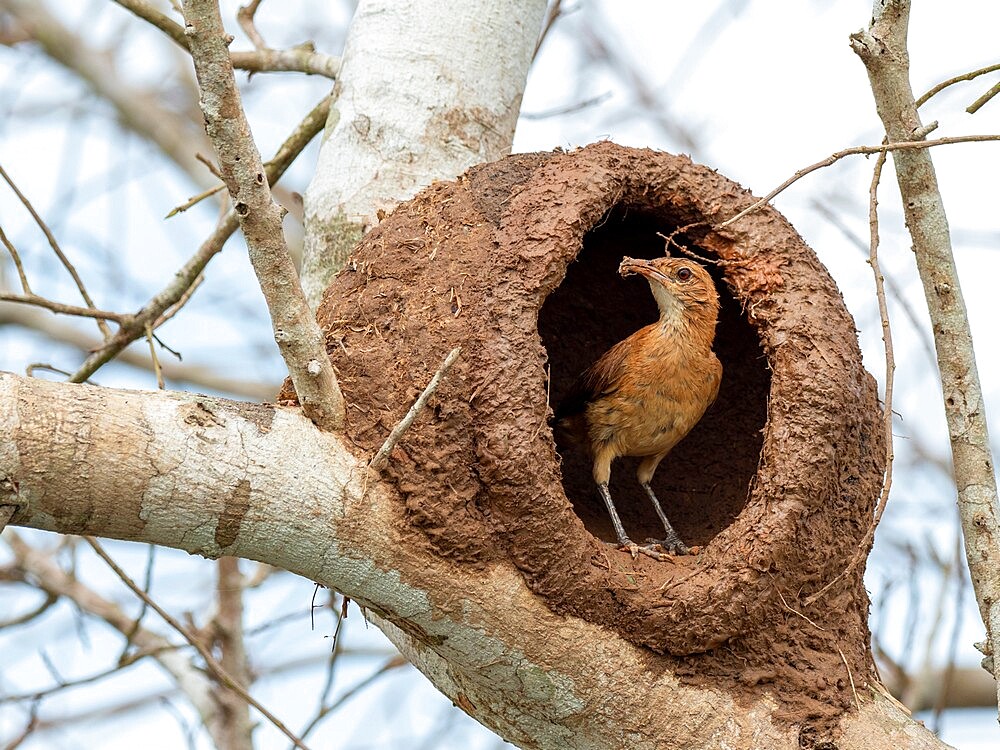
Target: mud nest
(515, 263)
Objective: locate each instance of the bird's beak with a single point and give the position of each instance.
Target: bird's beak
(644, 267)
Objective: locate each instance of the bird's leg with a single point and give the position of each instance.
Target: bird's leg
(672, 542)
(623, 541)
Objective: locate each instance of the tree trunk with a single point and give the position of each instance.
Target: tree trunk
(427, 89)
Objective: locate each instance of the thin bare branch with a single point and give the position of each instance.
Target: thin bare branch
(551, 16)
(890, 369)
(296, 331)
(210, 662)
(245, 18)
(70, 268)
(157, 370)
(160, 20)
(177, 290)
(972, 74)
(16, 257)
(142, 112)
(178, 373)
(394, 662)
(194, 200)
(977, 105)
(404, 424)
(59, 307)
(300, 59)
(28, 616)
(854, 151)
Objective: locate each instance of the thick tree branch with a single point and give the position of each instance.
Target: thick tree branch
(217, 477)
(883, 50)
(295, 329)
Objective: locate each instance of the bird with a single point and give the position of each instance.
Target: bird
(643, 395)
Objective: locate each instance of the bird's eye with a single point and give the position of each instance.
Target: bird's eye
(683, 273)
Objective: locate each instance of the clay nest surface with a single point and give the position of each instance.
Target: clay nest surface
(515, 262)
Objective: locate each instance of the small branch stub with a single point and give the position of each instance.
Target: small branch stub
(404, 424)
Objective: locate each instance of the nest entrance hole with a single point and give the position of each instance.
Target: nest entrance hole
(705, 481)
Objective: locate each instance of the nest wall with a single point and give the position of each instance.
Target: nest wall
(516, 262)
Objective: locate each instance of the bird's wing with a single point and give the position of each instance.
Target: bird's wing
(599, 380)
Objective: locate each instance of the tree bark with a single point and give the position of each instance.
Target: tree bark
(426, 90)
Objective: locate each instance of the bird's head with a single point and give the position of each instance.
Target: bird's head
(682, 288)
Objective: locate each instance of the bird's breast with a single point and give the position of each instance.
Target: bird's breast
(657, 402)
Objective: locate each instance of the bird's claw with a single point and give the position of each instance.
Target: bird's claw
(635, 550)
(670, 546)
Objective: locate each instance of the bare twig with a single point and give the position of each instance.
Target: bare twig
(58, 251)
(972, 74)
(59, 307)
(976, 105)
(850, 676)
(156, 360)
(245, 18)
(160, 20)
(895, 291)
(210, 661)
(404, 424)
(195, 200)
(15, 256)
(174, 134)
(551, 16)
(566, 109)
(890, 368)
(882, 48)
(30, 615)
(300, 59)
(394, 662)
(195, 375)
(178, 288)
(855, 151)
(296, 331)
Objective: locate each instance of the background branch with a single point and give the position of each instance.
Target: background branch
(883, 49)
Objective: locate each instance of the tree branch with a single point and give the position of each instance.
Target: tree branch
(217, 477)
(904, 145)
(301, 59)
(883, 50)
(295, 328)
(212, 664)
(183, 280)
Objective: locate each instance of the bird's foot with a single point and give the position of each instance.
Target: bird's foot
(635, 550)
(671, 546)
